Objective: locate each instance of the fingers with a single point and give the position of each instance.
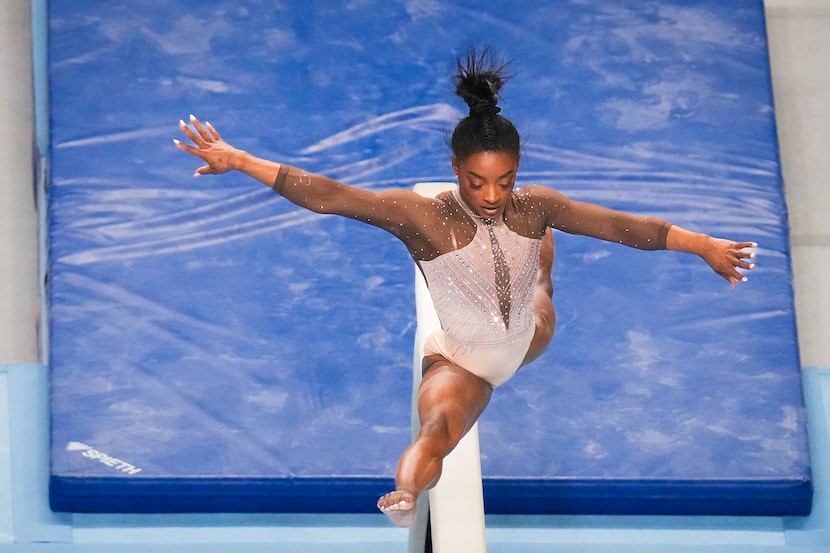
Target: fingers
(203, 170)
(739, 260)
(744, 254)
(203, 132)
(204, 135)
(207, 145)
(206, 130)
(188, 132)
(737, 256)
(186, 147)
(741, 250)
(202, 140)
(212, 131)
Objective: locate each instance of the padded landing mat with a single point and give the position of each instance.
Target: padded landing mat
(214, 348)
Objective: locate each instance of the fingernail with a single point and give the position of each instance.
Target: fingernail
(755, 244)
(744, 279)
(192, 117)
(752, 265)
(197, 174)
(176, 141)
(182, 123)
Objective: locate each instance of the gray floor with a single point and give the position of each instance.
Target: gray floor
(799, 37)
(18, 219)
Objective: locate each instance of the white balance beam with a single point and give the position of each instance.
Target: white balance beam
(456, 503)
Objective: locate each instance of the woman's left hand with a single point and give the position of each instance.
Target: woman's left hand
(725, 257)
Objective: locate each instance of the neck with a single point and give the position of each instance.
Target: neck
(469, 210)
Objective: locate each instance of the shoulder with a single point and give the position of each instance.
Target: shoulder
(415, 213)
(532, 208)
(538, 197)
(406, 200)
(447, 202)
(398, 210)
(541, 207)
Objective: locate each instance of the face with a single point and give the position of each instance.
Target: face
(485, 181)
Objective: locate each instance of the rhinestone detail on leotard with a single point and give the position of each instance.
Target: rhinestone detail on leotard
(502, 273)
(462, 284)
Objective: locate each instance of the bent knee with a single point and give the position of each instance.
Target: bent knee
(547, 318)
(544, 315)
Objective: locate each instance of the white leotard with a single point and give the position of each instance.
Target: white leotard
(462, 285)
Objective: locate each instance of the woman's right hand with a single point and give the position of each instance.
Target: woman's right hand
(209, 146)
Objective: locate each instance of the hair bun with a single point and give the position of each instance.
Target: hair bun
(478, 79)
(484, 107)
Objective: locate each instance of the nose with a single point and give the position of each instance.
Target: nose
(491, 195)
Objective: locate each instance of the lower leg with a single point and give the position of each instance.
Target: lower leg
(419, 469)
(450, 400)
(420, 466)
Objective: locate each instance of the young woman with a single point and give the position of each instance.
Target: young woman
(486, 250)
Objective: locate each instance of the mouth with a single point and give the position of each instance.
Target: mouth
(490, 212)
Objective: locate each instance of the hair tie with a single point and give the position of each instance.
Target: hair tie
(484, 107)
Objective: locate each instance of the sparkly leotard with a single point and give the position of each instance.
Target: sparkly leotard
(463, 285)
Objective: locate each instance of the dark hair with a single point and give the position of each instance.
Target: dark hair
(478, 80)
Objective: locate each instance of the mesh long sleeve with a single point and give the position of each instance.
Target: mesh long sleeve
(562, 213)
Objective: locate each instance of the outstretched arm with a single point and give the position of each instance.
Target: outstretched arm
(725, 257)
(390, 209)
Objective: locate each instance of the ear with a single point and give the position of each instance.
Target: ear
(454, 162)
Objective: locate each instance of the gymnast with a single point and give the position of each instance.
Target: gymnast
(486, 251)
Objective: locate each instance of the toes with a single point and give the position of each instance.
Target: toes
(399, 506)
(396, 501)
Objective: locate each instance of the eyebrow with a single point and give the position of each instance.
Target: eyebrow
(507, 174)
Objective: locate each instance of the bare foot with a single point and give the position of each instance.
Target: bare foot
(399, 506)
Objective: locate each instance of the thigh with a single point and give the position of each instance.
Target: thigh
(451, 397)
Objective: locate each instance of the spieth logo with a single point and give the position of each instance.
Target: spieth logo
(103, 458)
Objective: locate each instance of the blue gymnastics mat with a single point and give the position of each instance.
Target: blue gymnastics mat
(214, 348)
